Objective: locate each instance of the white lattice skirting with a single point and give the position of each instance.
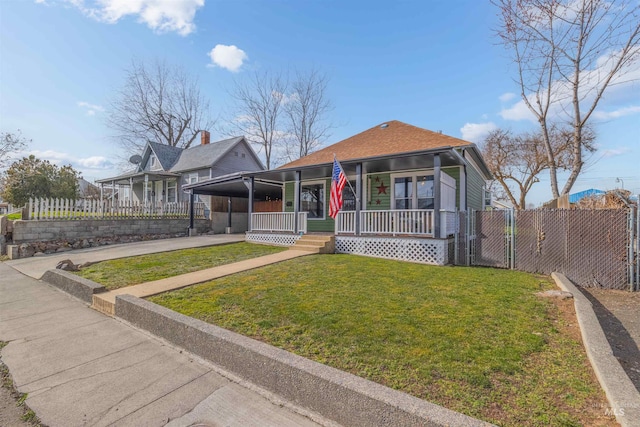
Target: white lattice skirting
(426, 251)
(272, 238)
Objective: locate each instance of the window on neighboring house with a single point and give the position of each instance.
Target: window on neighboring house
(312, 200)
(153, 162)
(192, 179)
(172, 193)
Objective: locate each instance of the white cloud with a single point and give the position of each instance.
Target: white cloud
(159, 15)
(91, 109)
(620, 112)
(507, 96)
(228, 57)
(475, 132)
(81, 163)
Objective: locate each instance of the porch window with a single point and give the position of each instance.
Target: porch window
(403, 192)
(413, 192)
(349, 198)
(424, 191)
(312, 200)
(172, 191)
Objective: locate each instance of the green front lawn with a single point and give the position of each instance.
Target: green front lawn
(476, 340)
(123, 272)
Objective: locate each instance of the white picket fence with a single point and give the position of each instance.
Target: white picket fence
(43, 209)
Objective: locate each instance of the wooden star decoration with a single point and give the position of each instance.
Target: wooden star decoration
(382, 189)
(378, 202)
(377, 179)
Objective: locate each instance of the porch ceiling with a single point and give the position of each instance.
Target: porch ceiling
(405, 161)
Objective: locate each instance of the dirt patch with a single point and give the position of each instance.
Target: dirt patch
(12, 412)
(619, 315)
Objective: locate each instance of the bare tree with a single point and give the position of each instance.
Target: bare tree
(159, 103)
(11, 143)
(258, 112)
(516, 161)
(568, 53)
(306, 108)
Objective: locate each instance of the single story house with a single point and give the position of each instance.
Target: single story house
(406, 186)
(161, 172)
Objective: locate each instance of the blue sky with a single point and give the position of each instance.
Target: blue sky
(433, 64)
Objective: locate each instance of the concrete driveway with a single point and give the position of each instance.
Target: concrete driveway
(36, 266)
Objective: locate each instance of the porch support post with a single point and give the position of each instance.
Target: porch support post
(296, 201)
(358, 196)
(101, 190)
(229, 212)
(436, 196)
(130, 190)
(192, 199)
(463, 188)
(146, 188)
(250, 210)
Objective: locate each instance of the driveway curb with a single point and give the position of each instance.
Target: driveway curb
(73, 284)
(336, 395)
(623, 397)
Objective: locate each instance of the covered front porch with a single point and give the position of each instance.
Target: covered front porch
(399, 222)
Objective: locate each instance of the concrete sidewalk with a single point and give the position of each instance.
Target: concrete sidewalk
(81, 368)
(36, 266)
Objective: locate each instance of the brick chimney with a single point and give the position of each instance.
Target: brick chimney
(205, 137)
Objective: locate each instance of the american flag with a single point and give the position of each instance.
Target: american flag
(338, 181)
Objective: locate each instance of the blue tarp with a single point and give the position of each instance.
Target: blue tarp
(575, 197)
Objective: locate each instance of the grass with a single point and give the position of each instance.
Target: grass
(476, 340)
(123, 272)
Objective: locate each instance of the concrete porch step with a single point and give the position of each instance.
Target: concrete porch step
(315, 243)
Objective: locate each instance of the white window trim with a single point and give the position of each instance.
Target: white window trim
(324, 192)
(414, 181)
(154, 164)
(175, 187)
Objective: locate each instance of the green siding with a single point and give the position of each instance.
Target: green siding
(381, 190)
(475, 187)
(377, 192)
(327, 224)
(288, 196)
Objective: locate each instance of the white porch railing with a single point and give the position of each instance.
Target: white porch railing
(410, 222)
(43, 209)
(278, 221)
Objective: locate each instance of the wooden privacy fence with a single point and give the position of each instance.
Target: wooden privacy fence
(43, 209)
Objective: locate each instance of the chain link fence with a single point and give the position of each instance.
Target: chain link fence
(593, 248)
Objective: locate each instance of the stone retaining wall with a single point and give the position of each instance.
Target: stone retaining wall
(48, 236)
(48, 230)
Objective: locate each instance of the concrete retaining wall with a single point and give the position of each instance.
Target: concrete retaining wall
(48, 230)
(77, 286)
(339, 396)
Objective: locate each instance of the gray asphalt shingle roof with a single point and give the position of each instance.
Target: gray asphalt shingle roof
(166, 154)
(203, 156)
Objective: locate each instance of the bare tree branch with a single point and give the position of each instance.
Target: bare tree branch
(568, 53)
(257, 113)
(158, 103)
(307, 108)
